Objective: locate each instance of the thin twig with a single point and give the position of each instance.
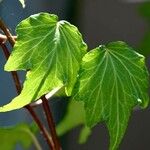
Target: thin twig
(28, 107)
(7, 33)
(34, 139)
(4, 38)
(51, 123)
(42, 128)
(14, 73)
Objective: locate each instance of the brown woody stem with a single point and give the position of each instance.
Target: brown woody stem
(42, 128)
(51, 123)
(14, 73)
(7, 33)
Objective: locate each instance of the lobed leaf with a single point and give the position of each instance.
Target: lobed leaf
(51, 50)
(113, 80)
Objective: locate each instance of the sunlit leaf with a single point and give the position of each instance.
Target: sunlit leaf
(113, 80)
(51, 50)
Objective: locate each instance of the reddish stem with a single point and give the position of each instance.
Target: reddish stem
(51, 123)
(42, 128)
(14, 73)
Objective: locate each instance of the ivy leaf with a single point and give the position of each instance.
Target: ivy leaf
(20, 134)
(51, 50)
(74, 117)
(113, 80)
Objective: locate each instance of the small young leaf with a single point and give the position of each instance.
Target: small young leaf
(20, 134)
(74, 117)
(51, 50)
(113, 80)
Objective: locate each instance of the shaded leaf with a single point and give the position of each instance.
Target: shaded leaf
(144, 10)
(113, 80)
(52, 50)
(84, 135)
(20, 134)
(74, 117)
(144, 45)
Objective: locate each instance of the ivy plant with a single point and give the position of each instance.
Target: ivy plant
(104, 84)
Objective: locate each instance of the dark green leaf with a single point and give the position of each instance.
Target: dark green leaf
(52, 50)
(113, 80)
(144, 45)
(144, 10)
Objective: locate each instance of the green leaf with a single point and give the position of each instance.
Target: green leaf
(113, 80)
(75, 116)
(144, 45)
(144, 10)
(20, 134)
(52, 50)
(84, 134)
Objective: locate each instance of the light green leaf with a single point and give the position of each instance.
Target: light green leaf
(113, 80)
(20, 134)
(52, 50)
(75, 116)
